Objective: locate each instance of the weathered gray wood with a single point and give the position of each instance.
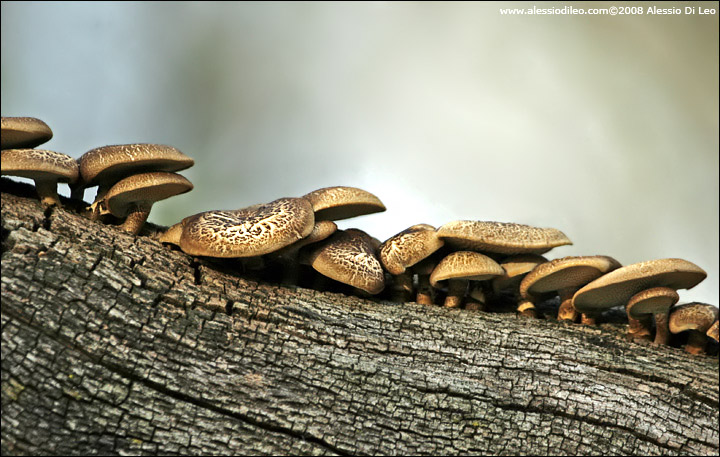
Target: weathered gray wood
(116, 344)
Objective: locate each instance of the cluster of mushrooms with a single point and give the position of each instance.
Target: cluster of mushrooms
(466, 264)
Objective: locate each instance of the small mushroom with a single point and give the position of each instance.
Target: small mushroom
(400, 252)
(133, 196)
(348, 257)
(618, 287)
(248, 232)
(695, 318)
(501, 237)
(656, 301)
(46, 168)
(23, 132)
(460, 267)
(106, 165)
(564, 276)
(340, 202)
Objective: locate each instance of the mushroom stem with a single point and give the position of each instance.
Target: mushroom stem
(425, 290)
(77, 191)
(47, 192)
(402, 287)
(662, 332)
(696, 342)
(589, 318)
(456, 292)
(136, 218)
(527, 308)
(566, 312)
(476, 298)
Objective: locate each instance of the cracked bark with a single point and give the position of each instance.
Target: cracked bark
(114, 344)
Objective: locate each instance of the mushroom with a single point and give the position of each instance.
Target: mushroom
(46, 168)
(656, 301)
(695, 318)
(713, 331)
(248, 232)
(348, 257)
(133, 196)
(405, 249)
(288, 256)
(340, 202)
(23, 132)
(501, 237)
(105, 166)
(618, 287)
(565, 276)
(460, 267)
(516, 267)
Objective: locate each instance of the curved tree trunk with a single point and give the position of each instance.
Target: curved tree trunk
(116, 344)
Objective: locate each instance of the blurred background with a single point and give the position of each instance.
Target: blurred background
(605, 127)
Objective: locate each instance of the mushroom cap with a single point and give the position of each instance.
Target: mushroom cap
(320, 231)
(340, 202)
(515, 267)
(39, 164)
(256, 230)
(617, 287)
(144, 188)
(468, 265)
(23, 132)
(652, 301)
(565, 273)
(501, 237)
(348, 257)
(692, 316)
(409, 247)
(112, 163)
(713, 331)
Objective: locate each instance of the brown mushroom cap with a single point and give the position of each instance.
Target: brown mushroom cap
(468, 265)
(145, 188)
(348, 257)
(651, 301)
(39, 163)
(248, 232)
(340, 202)
(713, 331)
(321, 230)
(23, 132)
(565, 273)
(111, 163)
(409, 247)
(617, 287)
(692, 316)
(501, 237)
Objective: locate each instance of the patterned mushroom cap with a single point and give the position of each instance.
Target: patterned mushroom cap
(409, 247)
(248, 232)
(692, 316)
(651, 301)
(112, 163)
(565, 273)
(465, 265)
(348, 257)
(501, 237)
(144, 188)
(23, 132)
(39, 163)
(340, 202)
(617, 287)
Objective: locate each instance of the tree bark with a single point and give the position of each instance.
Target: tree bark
(115, 344)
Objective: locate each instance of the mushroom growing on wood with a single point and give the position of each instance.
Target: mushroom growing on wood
(402, 251)
(695, 318)
(516, 268)
(288, 256)
(340, 202)
(501, 237)
(460, 267)
(248, 232)
(656, 301)
(617, 287)
(134, 196)
(23, 132)
(46, 168)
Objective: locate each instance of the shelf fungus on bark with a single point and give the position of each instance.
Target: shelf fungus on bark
(23, 132)
(564, 276)
(501, 237)
(348, 256)
(107, 165)
(46, 168)
(341, 202)
(657, 302)
(460, 267)
(248, 232)
(618, 287)
(696, 319)
(132, 198)
(399, 253)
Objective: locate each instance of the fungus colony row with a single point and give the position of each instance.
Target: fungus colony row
(467, 262)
